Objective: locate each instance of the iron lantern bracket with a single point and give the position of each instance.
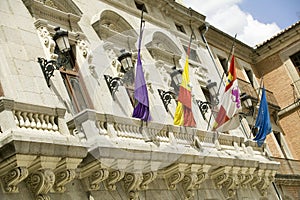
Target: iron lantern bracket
(113, 84)
(48, 67)
(166, 97)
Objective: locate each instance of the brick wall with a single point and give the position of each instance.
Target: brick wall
(291, 126)
(271, 142)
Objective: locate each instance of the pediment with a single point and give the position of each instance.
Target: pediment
(163, 48)
(58, 13)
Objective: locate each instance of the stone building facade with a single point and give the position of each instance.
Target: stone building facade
(65, 116)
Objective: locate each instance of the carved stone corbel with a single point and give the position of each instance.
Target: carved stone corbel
(147, 179)
(86, 52)
(257, 176)
(113, 178)
(174, 174)
(220, 175)
(93, 174)
(48, 42)
(132, 183)
(188, 184)
(265, 182)
(202, 175)
(62, 178)
(40, 183)
(94, 180)
(232, 183)
(190, 180)
(247, 177)
(65, 173)
(11, 179)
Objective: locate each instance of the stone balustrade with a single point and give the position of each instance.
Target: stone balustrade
(29, 116)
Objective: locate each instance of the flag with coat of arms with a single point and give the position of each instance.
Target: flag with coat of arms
(227, 117)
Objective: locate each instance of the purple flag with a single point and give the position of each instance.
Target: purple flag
(141, 110)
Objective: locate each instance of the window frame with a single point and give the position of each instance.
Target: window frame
(67, 75)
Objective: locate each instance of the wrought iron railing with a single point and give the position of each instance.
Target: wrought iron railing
(247, 88)
(271, 99)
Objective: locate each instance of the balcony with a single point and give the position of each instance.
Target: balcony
(127, 149)
(247, 88)
(37, 148)
(289, 172)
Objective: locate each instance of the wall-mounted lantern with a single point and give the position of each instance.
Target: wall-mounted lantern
(176, 79)
(247, 102)
(61, 39)
(214, 92)
(126, 61)
(113, 83)
(48, 66)
(166, 97)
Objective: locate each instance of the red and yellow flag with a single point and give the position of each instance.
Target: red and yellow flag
(183, 114)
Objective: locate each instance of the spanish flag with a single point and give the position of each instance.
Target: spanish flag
(183, 114)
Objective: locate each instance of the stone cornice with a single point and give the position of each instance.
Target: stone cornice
(277, 43)
(223, 41)
(39, 10)
(287, 179)
(137, 13)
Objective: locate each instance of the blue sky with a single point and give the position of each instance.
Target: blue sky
(254, 21)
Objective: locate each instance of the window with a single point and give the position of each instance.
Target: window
(296, 61)
(71, 79)
(140, 6)
(249, 75)
(223, 62)
(277, 136)
(180, 28)
(193, 54)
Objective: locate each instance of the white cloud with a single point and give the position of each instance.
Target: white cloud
(228, 17)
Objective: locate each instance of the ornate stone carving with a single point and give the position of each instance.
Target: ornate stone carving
(175, 174)
(94, 180)
(93, 174)
(86, 52)
(62, 178)
(229, 186)
(248, 176)
(132, 183)
(113, 178)
(226, 178)
(265, 182)
(257, 176)
(13, 178)
(147, 179)
(41, 182)
(188, 183)
(48, 42)
(220, 176)
(202, 175)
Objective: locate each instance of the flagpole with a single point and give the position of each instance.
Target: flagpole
(141, 110)
(258, 93)
(207, 47)
(221, 81)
